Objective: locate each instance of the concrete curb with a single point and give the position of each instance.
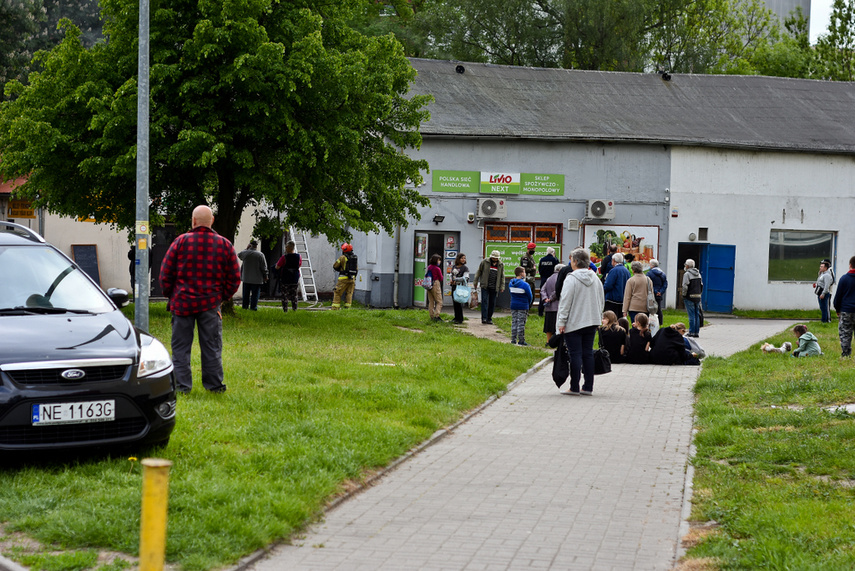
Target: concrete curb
(686, 510)
(250, 560)
(9, 565)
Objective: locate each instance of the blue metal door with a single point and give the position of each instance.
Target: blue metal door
(717, 263)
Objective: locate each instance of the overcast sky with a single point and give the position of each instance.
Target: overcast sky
(820, 14)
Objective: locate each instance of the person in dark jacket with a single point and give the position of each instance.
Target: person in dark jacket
(660, 284)
(615, 284)
(545, 267)
(669, 348)
(606, 264)
(638, 341)
(289, 275)
(612, 337)
(844, 305)
(491, 277)
(253, 273)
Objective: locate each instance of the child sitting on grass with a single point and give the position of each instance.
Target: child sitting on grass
(808, 343)
(638, 341)
(612, 337)
(521, 298)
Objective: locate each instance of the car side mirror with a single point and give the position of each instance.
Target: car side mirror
(119, 296)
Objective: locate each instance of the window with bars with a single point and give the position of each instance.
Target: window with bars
(538, 233)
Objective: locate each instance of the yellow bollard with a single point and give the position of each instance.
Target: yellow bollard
(153, 519)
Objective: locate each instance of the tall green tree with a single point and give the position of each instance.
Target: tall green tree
(19, 21)
(85, 14)
(710, 36)
(510, 32)
(252, 101)
(27, 26)
(836, 49)
(397, 17)
(699, 36)
(790, 54)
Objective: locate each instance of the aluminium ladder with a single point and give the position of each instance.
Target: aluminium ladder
(307, 276)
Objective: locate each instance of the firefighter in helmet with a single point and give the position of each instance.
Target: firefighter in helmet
(527, 262)
(346, 266)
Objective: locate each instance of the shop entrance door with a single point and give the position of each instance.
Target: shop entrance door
(716, 262)
(427, 244)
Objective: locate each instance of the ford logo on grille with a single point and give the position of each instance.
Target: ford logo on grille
(73, 374)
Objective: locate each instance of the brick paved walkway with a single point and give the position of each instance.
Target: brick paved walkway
(536, 480)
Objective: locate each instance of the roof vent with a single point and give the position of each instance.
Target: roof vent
(460, 69)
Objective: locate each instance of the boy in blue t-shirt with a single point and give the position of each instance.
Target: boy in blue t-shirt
(521, 299)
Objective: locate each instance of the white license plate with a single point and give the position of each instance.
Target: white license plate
(74, 412)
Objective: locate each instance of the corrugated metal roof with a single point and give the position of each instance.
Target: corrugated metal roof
(711, 110)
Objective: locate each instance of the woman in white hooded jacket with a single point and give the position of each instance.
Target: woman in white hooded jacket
(579, 314)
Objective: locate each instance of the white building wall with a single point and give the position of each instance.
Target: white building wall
(741, 196)
(782, 8)
(112, 246)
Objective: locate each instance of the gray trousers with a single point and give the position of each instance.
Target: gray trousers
(845, 329)
(518, 319)
(210, 325)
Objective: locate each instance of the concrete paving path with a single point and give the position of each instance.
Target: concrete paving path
(536, 480)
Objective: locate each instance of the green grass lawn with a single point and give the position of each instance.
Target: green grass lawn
(774, 468)
(316, 400)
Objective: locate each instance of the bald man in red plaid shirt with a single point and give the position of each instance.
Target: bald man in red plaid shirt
(199, 272)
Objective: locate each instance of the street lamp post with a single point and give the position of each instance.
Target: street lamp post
(143, 229)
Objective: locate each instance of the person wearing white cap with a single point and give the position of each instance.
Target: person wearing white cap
(491, 276)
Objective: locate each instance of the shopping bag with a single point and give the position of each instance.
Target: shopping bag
(461, 293)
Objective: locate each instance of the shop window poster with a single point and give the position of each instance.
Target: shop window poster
(640, 241)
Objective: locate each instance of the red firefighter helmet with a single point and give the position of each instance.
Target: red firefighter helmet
(532, 245)
(346, 247)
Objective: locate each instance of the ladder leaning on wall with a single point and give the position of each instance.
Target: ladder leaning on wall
(307, 276)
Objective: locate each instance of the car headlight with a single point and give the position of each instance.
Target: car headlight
(154, 358)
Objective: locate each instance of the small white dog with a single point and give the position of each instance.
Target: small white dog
(769, 348)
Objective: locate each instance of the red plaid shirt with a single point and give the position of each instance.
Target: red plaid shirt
(199, 272)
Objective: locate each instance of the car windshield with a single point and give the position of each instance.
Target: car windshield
(38, 277)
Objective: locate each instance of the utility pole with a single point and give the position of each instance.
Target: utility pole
(143, 229)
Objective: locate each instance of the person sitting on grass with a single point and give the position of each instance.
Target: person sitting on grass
(638, 341)
(612, 337)
(808, 343)
(669, 347)
(694, 351)
(521, 298)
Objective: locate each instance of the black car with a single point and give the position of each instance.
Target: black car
(74, 372)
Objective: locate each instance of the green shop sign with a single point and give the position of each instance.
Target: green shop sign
(531, 184)
(542, 184)
(500, 183)
(510, 254)
(456, 181)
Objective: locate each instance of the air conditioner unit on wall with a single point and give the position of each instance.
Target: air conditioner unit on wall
(492, 208)
(601, 209)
